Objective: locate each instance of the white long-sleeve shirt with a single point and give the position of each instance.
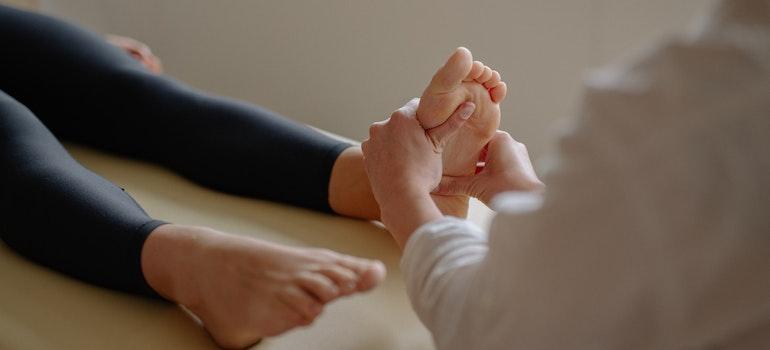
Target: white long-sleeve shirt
(655, 229)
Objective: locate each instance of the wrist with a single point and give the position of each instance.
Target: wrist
(407, 212)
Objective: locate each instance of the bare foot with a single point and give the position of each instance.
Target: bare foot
(244, 289)
(459, 80)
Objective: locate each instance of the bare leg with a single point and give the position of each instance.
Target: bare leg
(349, 191)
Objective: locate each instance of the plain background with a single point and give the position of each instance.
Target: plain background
(341, 65)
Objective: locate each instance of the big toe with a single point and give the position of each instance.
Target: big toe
(451, 75)
(370, 272)
(373, 276)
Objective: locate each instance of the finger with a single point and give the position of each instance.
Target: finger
(441, 134)
(484, 152)
(376, 127)
(413, 103)
(409, 110)
(501, 142)
(504, 152)
(481, 163)
(454, 185)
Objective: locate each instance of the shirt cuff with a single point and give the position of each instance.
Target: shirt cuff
(430, 235)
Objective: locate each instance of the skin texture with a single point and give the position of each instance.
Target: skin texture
(244, 289)
(404, 164)
(507, 167)
(460, 79)
(350, 193)
(397, 147)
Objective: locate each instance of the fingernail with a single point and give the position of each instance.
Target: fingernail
(467, 110)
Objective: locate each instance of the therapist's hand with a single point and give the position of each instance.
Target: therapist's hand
(507, 168)
(403, 162)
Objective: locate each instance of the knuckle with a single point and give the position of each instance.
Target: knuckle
(373, 129)
(398, 114)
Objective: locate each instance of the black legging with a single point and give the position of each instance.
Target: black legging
(59, 79)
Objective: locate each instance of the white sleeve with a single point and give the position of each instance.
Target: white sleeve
(582, 271)
(555, 277)
(441, 265)
(652, 231)
(439, 259)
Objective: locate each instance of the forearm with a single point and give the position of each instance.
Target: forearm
(440, 264)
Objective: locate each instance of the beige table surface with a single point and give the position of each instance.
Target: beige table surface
(42, 309)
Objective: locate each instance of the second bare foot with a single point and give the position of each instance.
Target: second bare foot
(244, 289)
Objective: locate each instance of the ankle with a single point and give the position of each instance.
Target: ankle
(166, 259)
(350, 193)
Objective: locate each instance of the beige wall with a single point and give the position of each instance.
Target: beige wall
(26, 4)
(341, 65)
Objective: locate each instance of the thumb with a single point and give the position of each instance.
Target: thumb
(439, 135)
(455, 185)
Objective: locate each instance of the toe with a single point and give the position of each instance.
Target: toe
(498, 92)
(370, 272)
(451, 75)
(486, 75)
(493, 81)
(301, 303)
(345, 279)
(373, 276)
(318, 285)
(476, 69)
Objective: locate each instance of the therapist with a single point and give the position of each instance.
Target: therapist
(654, 232)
